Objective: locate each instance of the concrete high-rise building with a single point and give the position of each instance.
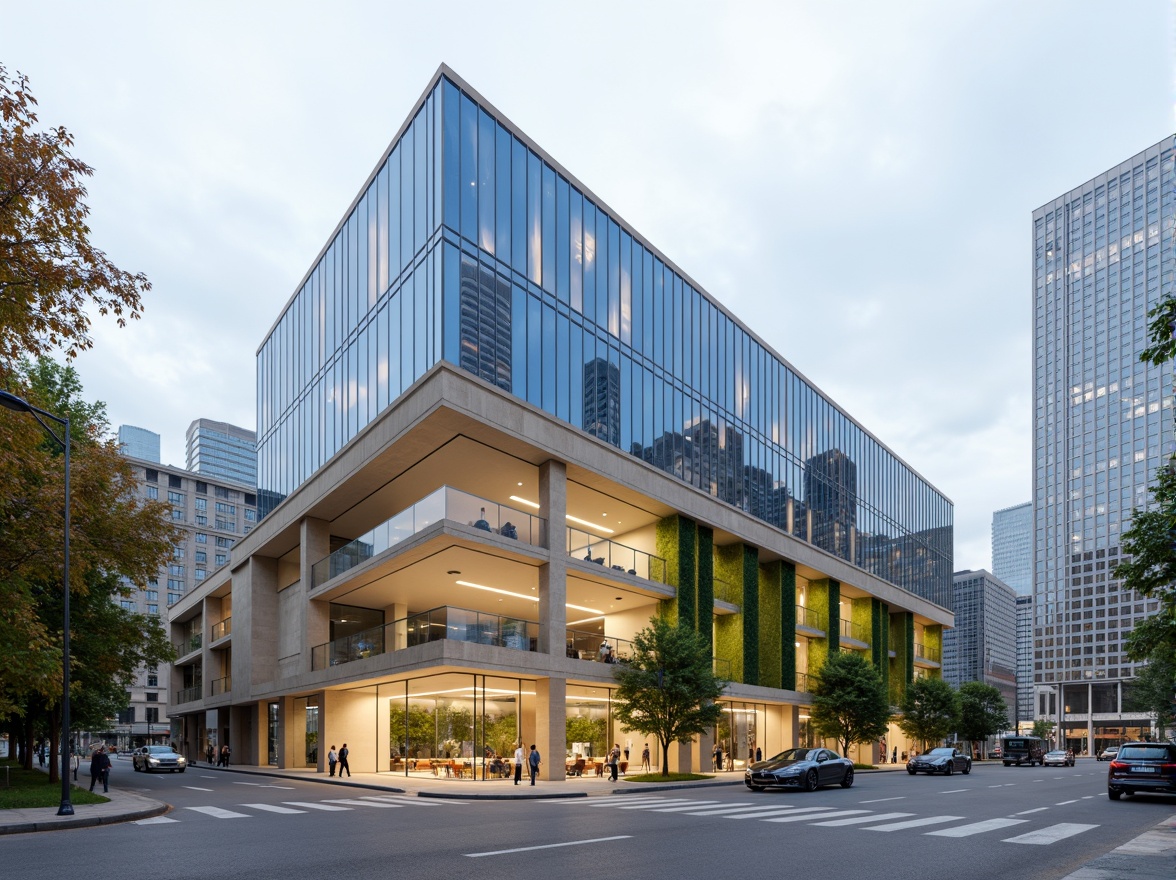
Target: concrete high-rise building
(138, 443)
(1103, 256)
(982, 646)
(1012, 547)
(498, 432)
(218, 449)
(1024, 708)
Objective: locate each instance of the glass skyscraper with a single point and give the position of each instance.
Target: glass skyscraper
(1012, 547)
(222, 450)
(1103, 256)
(468, 244)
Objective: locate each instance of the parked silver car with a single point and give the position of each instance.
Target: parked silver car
(150, 758)
(1058, 758)
(944, 760)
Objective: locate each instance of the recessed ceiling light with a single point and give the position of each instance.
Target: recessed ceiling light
(520, 484)
(618, 598)
(453, 571)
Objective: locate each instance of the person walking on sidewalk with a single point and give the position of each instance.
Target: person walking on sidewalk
(343, 765)
(533, 762)
(645, 758)
(332, 759)
(224, 755)
(518, 762)
(209, 753)
(100, 769)
(614, 758)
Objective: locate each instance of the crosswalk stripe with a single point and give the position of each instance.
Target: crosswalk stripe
(1052, 834)
(857, 820)
(313, 806)
(829, 815)
(696, 804)
(356, 802)
(218, 813)
(761, 813)
(915, 823)
(701, 809)
(410, 801)
(976, 828)
(157, 820)
(654, 806)
(273, 808)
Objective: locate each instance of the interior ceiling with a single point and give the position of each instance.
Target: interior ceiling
(433, 581)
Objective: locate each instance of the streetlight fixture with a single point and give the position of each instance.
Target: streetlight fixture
(11, 401)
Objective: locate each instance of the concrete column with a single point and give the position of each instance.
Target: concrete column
(315, 544)
(703, 749)
(551, 728)
(255, 617)
(553, 588)
(397, 636)
(346, 717)
(681, 757)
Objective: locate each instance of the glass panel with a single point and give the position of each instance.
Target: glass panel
(469, 169)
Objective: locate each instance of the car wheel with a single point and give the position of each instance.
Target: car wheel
(756, 787)
(967, 769)
(1113, 794)
(848, 780)
(182, 769)
(810, 781)
(1008, 764)
(910, 771)
(950, 769)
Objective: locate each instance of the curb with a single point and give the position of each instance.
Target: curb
(61, 823)
(454, 796)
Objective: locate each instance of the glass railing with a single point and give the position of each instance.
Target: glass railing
(925, 653)
(809, 618)
(222, 685)
(444, 504)
(802, 682)
(594, 646)
(222, 629)
(188, 695)
(725, 592)
(721, 667)
(190, 644)
(610, 554)
(855, 631)
(445, 622)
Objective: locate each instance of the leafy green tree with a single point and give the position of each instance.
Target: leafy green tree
(411, 730)
(849, 702)
(930, 710)
(1043, 728)
(667, 688)
(982, 711)
(1153, 689)
(587, 730)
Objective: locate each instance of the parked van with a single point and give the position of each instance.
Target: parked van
(1022, 750)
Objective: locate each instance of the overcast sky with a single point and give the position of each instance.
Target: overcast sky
(854, 180)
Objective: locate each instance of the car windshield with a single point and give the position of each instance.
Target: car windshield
(940, 753)
(159, 750)
(793, 755)
(1058, 753)
(1143, 753)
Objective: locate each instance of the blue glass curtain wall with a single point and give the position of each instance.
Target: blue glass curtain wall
(467, 245)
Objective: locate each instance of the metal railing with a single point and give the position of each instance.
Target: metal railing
(190, 644)
(809, 618)
(591, 646)
(925, 653)
(443, 504)
(802, 682)
(188, 695)
(851, 630)
(613, 555)
(436, 624)
(222, 685)
(222, 629)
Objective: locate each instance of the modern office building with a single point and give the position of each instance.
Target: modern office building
(1012, 547)
(1022, 713)
(498, 432)
(138, 443)
(1103, 255)
(212, 516)
(218, 449)
(982, 646)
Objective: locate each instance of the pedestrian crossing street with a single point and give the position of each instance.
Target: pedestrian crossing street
(836, 817)
(291, 808)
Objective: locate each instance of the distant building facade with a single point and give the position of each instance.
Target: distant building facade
(218, 449)
(138, 443)
(1012, 547)
(982, 646)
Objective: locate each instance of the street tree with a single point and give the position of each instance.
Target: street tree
(849, 701)
(117, 542)
(667, 688)
(1152, 691)
(1043, 728)
(52, 277)
(930, 711)
(983, 712)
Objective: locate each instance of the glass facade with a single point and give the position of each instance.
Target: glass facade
(470, 246)
(1103, 257)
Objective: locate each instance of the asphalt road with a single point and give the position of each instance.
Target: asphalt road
(1001, 822)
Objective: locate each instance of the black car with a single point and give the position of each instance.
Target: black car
(150, 758)
(945, 760)
(1142, 767)
(800, 768)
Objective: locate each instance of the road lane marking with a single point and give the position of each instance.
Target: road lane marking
(194, 788)
(761, 813)
(356, 802)
(313, 806)
(976, 828)
(654, 806)
(158, 820)
(272, 808)
(955, 790)
(696, 804)
(822, 816)
(1063, 803)
(503, 852)
(857, 820)
(258, 784)
(1052, 834)
(880, 800)
(412, 801)
(1087, 797)
(704, 810)
(915, 823)
(218, 813)
(1027, 812)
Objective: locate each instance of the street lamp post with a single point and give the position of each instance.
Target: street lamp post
(11, 401)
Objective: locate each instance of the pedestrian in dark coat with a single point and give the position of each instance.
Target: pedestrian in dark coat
(100, 769)
(343, 765)
(533, 762)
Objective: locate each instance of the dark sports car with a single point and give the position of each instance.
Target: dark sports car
(800, 768)
(944, 760)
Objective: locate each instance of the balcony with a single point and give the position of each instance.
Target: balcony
(615, 556)
(222, 685)
(804, 683)
(809, 620)
(443, 504)
(222, 629)
(926, 656)
(190, 644)
(188, 695)
(590, 646)
(445, 622)
(854, 631)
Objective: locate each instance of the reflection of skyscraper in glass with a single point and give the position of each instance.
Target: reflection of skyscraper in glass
(602, 400)
(830, 491)
(485, 325)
